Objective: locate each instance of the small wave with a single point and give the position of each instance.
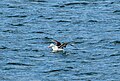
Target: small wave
(51, 71)
(35, 50)
(3, 47)
(116, 42)
(78, 42)
(75, 3)
(71, 3)
(89, 73)
(18, 24)
(61, 6)
(36, 56)
(19, 16)
(8, 68)
(116, 11)
(37, 32)
(57, 70)
(69, 67)
(49, 18)
(47, 38)
(19, 64)
(115, 55)
(64, 21)
(37, 1)
(34, 38)
(15, 49)
(9, 31)
(92, 21)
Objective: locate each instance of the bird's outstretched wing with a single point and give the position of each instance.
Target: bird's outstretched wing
(57, 43)
(63, 45)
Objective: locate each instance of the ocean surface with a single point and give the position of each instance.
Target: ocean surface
(27, 28)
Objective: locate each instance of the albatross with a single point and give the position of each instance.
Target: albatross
(57, 46)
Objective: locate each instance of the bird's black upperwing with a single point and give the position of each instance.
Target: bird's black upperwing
(63, 45)
(57, 43)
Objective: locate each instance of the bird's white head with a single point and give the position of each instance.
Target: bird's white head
(51, 45)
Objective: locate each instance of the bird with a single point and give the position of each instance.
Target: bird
(58, 47)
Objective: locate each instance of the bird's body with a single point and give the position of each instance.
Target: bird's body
(58, 46)
(55, 48)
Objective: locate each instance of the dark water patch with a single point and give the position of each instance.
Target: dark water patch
(32, 38)
(47, 42)
(37, 0)
(79, 38)
(69, 61)
(115, 54)
(3, 47)
(70, 67)
(17, 24)
(75, 48)
(17, 16)
(38, 56)
(103, 41)
(15, 31)
(8, 68)
(35, 50)
(85, 61)
(92, 21)
(95, 58)
(78, 42)
(27, 49)
(89, 73)
(64, 21)
(15, 49)
(60, 6)
(49, 18)
(13, 7)
(48, 38)
(51, 71)
(1, 13)
(63, 30)
(38, 32)
(86, 74)
(57, 70)
(3, 78)
(115, 65)
(76, 3)
(84, 51)
(112, 2)
(92, 58)
(41, 16)
(19, 64)
(115, 30)
(116, 42)
(91, 43)
(38, 43)
(116, 11)
(9, 31)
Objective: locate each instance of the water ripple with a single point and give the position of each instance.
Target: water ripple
(77, 3)
(19, 64)
(116, 42)
(3, 47)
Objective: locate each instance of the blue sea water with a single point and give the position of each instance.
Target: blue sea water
(27, 28)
